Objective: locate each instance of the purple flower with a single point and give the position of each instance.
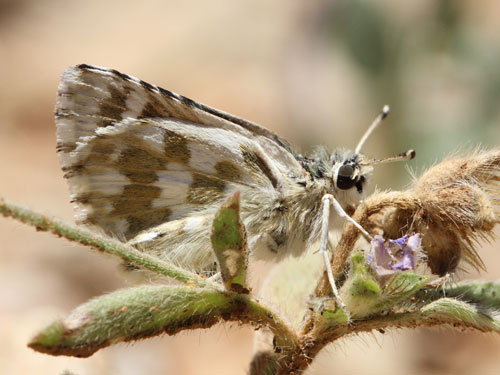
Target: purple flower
(400, 241)
(397, 255)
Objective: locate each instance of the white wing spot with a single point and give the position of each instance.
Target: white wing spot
(135, 104)
(201, 160)
(174, 187)
(146, 236)
(193, 223)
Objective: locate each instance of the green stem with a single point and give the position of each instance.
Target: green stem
(101, 243)
(150, 310)
(285, 336)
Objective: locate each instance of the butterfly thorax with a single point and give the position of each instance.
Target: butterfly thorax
(290, 222)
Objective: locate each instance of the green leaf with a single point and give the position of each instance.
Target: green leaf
(399, 287)
(229, 245)
(365, 295)
(133, 314)
(361, 291)
(484, 294)
(460, 313)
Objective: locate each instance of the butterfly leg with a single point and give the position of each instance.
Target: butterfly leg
(328, 200)
(340, 211)
(323, 248)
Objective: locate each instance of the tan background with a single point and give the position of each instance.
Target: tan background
(313, 71)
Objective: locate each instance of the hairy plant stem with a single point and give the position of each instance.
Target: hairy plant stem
(101, 243)
(312, 343)
(254, 311)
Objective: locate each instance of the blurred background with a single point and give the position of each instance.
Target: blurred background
(312, 71)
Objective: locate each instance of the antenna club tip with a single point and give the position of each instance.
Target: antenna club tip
(411, 154)
(385, 111)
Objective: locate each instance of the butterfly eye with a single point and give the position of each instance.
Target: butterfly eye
(344, 177)
(346, 170)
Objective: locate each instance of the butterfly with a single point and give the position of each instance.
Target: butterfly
(151, 168)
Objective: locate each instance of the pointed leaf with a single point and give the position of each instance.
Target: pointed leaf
(133, 314)
(460, 313)
(229, 245)
(400, 286)
(361, 291)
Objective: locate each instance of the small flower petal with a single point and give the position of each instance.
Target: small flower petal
(397, 255)
(380, 255)
(408, 256)
(415, 242)
(401, 242)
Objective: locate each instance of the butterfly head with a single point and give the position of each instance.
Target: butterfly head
(353, 171)
(350, 170)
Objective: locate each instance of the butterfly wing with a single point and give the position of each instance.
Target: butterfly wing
(137, 156)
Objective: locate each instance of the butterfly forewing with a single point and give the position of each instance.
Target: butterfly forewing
(138, 157)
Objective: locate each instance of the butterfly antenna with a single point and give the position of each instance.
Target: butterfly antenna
(382, 115)
(408, 155)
